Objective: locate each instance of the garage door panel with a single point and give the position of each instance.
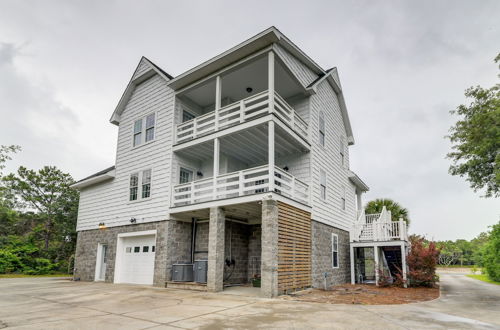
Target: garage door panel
(137, 259)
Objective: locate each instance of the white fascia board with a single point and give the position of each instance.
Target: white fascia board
(252, 45)
(94, 180)
(358, 182)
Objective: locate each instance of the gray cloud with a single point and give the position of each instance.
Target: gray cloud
(403, 66)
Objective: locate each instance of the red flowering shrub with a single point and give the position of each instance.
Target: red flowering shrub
(422, 260)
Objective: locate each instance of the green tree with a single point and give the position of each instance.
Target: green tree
(475, 139)
(48, 192)
(397, 211)
(491, 254)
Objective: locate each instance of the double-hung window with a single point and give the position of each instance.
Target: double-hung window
(142, 190)
(144, 129)
(146, 184)
(322, 184)
(321, 126)
(134, 186)
(137, 132)
(335, 251)
(150, 127)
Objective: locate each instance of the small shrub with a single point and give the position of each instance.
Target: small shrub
(422, 261)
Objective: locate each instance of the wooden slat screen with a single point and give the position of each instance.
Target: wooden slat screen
(294, 248)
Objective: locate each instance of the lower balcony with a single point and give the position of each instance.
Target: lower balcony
(247, 182)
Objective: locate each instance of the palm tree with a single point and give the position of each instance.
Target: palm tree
(397, 211)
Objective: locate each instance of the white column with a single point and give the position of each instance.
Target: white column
(270, 80)
(353, 275)
(270, 156)
(216, 166)
(218, 94)
(403, 262)
(375, 254)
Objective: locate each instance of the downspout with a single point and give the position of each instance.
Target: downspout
(193, 238)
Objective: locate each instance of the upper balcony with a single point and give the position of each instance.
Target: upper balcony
(245, 110)
(243, 95)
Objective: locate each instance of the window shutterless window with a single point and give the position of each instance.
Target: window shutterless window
(321, 125)
(137, 132)
(144, 129)
(150, 127)
(185, 176)
(187, 116)
(134, 186)
(322, 184)
(335, 251)
(146, 183)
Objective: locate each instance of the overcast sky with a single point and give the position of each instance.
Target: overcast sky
(403, 65)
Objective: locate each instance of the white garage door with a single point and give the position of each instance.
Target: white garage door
(136, 260)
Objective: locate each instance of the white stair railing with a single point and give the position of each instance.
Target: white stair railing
(378, 227)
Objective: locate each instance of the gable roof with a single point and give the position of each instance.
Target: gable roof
(331, 76)
(144, 70)
(247, 47)
(258, 42)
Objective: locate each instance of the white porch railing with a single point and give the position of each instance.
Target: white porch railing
(242, 183)
(239, 112)
(378, 227)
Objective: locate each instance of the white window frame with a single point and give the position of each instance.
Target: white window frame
(321, 129)
(144, 129)
(186, 168)
(335, 249)
(140, 176)
(130, 187)
(323, 185)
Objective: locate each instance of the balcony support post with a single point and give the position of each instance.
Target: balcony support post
(403, 263)
(270, 156)
(270, 80)
(353, 275)
(377, 264)
(218, 95)
(216, 166)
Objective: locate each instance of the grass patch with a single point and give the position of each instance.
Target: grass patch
(23, 275)
(483, 278)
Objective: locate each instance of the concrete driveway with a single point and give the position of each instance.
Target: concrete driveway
(50, 303)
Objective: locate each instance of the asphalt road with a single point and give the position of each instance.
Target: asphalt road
(49, 303)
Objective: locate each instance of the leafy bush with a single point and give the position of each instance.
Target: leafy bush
(9, 262)
(422, 260)
(491, 254)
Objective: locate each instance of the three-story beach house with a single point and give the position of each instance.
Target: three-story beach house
(236, 171)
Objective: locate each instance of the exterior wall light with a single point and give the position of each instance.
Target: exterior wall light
(249, 89)
(102, 225)
(133, 220)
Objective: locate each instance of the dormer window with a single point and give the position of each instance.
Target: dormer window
(146, 125)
